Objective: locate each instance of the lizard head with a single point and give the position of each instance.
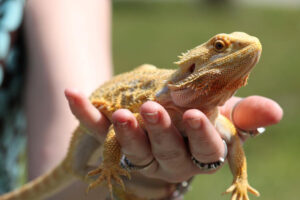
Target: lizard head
(213, 71)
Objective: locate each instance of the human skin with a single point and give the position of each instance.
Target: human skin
(170, 153)
(68, 43)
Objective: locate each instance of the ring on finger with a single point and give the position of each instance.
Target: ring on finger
(126, 164)
(212, 165)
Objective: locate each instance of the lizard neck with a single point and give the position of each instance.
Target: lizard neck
(214, 93)
(188, 99)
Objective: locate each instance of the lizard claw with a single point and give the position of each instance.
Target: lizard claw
(240, 189)
(108, 173)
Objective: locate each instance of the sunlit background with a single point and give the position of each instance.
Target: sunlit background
(157, 31)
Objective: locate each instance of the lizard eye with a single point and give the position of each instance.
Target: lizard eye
(219, 45)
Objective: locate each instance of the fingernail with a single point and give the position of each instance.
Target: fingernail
(194, 123)
(151, 117)
(122, 125)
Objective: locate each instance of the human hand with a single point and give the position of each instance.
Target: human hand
(172, 161)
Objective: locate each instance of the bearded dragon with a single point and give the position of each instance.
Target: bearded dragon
(207, 76)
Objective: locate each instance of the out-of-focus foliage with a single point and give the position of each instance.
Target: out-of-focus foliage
(157, 32)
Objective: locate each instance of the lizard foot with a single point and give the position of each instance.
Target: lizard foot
(239, 190)
(108, 174)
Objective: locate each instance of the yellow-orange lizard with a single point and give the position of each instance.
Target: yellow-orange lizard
(208, 75)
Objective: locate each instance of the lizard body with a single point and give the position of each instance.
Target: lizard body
(208, 75)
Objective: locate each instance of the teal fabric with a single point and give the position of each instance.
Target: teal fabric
(12, 14)
(4, 44)
(1, 74)
(12, 120)
(13, 55)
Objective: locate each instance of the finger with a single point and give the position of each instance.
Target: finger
(205, 142)
(228, 106)
(167, 144)
(87, 114)
(133, 140)
(256, 111)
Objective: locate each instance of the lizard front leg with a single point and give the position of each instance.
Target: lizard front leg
(237, 160)
(238, 166)
(110, 168)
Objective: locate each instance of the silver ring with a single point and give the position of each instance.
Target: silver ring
(243, 132)
(212, 165)
(126, 164)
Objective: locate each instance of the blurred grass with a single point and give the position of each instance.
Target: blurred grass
(157, 32)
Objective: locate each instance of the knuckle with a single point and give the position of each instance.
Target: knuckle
(167, 155)
(156, 138)
(206, 156)
(160, 136)
(205, 151)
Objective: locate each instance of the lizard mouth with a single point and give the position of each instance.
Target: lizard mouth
(252, 54)
(249, 54)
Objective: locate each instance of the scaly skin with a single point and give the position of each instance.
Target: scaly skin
(208, 75)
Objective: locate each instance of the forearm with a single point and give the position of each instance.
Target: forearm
(68, 46)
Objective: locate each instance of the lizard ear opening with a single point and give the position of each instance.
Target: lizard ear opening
(192, 68)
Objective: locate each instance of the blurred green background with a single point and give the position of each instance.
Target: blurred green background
(157, 31)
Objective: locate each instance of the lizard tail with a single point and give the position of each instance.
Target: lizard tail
(42, 186)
